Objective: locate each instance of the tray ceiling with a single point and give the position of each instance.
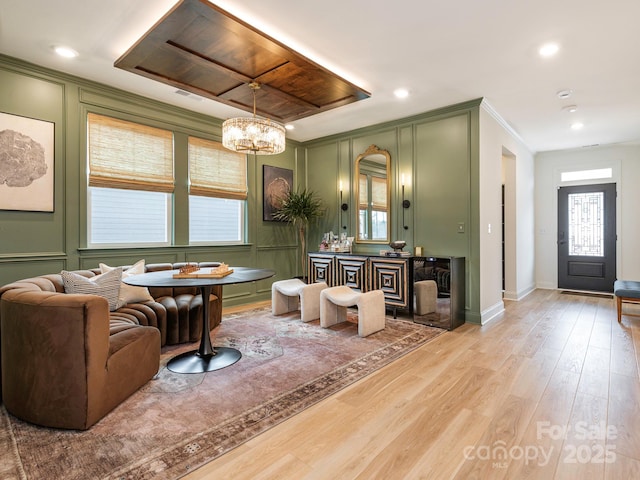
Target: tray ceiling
(202, 49)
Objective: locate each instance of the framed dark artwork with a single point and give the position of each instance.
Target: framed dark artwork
(277, 183)
(26, 163)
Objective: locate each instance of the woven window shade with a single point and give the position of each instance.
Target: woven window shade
(363, 193)
(215, 171)
(129, 155)
(378, 193)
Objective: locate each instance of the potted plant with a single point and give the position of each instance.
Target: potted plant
(300, 208)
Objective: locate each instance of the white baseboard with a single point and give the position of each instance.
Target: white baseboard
(519, 295)
(491, 313)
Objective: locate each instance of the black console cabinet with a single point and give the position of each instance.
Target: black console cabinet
(364, 273)
(396, 276)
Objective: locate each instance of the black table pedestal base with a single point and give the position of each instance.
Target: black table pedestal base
(194, 362)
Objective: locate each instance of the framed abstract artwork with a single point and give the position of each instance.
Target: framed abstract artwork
(277, 183)
(26, 164)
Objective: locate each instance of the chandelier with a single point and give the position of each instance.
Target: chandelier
(254, 134)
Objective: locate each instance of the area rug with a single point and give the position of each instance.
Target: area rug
(178, 422)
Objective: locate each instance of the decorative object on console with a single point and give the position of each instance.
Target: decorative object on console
(256, 135)
(397, 246)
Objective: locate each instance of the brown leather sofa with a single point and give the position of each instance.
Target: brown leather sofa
(66, 361)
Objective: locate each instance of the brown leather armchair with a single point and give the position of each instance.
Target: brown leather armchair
(64, 363)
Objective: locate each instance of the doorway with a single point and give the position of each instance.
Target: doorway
(587, 237)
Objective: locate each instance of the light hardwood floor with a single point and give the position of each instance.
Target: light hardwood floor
(549, 390)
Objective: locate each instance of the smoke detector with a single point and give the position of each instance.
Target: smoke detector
(562, 94)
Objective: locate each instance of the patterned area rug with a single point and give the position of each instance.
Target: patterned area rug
(178, 422)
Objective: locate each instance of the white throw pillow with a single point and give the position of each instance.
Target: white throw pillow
(129, 293)
(106, 285)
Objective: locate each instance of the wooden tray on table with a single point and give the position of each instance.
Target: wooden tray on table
(203, 273)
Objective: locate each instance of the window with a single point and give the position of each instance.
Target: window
(586, 174)
(130, 183)
(217, 193)
(113, 221)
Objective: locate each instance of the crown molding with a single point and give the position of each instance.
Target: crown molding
(487, 107)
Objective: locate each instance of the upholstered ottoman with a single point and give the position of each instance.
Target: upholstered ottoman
(426, 296)
(285, 294)
(627, 291)
(371, 314)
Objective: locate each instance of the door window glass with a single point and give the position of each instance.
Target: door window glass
(586, 228)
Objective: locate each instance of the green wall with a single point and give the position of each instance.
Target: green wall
(436, 151)
(438, 154)
(34, 243)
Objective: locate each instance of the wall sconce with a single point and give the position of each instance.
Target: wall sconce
(405, 204)
(343, 207)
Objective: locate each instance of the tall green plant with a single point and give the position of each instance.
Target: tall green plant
(300, 208)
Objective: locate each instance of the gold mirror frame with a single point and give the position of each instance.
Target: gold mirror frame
(376, 156)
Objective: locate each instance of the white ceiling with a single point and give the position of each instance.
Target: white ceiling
(442, 52)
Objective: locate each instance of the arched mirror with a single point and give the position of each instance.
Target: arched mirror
(372, 175)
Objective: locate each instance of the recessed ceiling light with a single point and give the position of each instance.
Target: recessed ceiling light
(65, 52)
(401, 93)
(570, 108)
(564, 93)
(288, 126)
(577, 126)
(549, 49)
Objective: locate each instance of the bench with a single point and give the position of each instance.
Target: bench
(285, 293)
(627, 291)
(371, 310)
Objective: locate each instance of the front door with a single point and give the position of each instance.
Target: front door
(587, 237)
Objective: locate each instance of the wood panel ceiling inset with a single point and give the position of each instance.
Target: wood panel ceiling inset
(203, 49)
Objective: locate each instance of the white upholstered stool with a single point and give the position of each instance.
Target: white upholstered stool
(335, 300)
(285, 293)
(426, 296)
